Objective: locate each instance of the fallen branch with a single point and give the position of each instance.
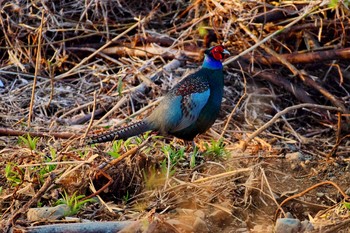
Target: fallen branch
(298, 92)
(304, 77)
(279, 114)
(12, 132)
(345, 196)
(35, 198)
(278, 13)
(312, 57)
(149, 51)
(87, 117)
(87, 227)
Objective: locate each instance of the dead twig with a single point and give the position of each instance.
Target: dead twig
(110, 181)
(345, 196)
(114, 162)
(284, 111)
(305, 78)
(336, 146)
(48, 182)
(256, 45)
(92, 115)
(149, 51)
(312, 57)
(37, 68)
(298, 92)
(12, 132)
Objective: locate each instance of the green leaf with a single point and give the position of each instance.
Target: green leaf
(120, 86)
(347, 205)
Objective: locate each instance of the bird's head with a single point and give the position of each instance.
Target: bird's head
(214, 57)
(217, 52)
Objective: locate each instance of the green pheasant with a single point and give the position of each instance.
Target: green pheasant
(188, 109)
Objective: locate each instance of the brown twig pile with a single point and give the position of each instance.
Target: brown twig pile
(65, 64)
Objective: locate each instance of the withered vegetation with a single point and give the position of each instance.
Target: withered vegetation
(71, 68)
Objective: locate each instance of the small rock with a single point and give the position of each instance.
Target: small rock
(347, 191)
(296, 156)
(242, 230)
(287, 225)
(306, 226)
(320, 194)
(200, 214)
(200, 225)
(220, 217)
(47, 213)
(289, 215)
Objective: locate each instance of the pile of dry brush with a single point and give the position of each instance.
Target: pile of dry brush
(56, 54)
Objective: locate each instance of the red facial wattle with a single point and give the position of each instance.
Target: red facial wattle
(217, 53)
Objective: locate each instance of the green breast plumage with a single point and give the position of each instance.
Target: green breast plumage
(210, 110)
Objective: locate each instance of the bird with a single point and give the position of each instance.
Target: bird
(188, 109)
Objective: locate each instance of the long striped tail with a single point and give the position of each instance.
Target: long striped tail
(120, 133)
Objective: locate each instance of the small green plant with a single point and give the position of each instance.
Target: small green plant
(45, 169)
(83, 154)
(346, 205)
(116, 147)
(128, 143)
(30, 142)
(73, 202)
(202, 30)
(120, 86)
(216, 149)
(126, 197)
(333, 4)
(193, 157)
(13, 174)
(155, 178)
(164, 168)
(39, 204)
(175, 155)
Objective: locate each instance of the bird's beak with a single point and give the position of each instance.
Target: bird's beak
(226, 53)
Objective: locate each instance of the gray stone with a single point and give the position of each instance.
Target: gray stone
(287, 225)
(47, 213)
(306, 226)
(320, 194)
(289, 215)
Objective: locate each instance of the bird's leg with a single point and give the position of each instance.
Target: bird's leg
(190, 146)
(194, 144)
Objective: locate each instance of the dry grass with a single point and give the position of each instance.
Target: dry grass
(64, 61)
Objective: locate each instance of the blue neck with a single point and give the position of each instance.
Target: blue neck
(211, 63)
